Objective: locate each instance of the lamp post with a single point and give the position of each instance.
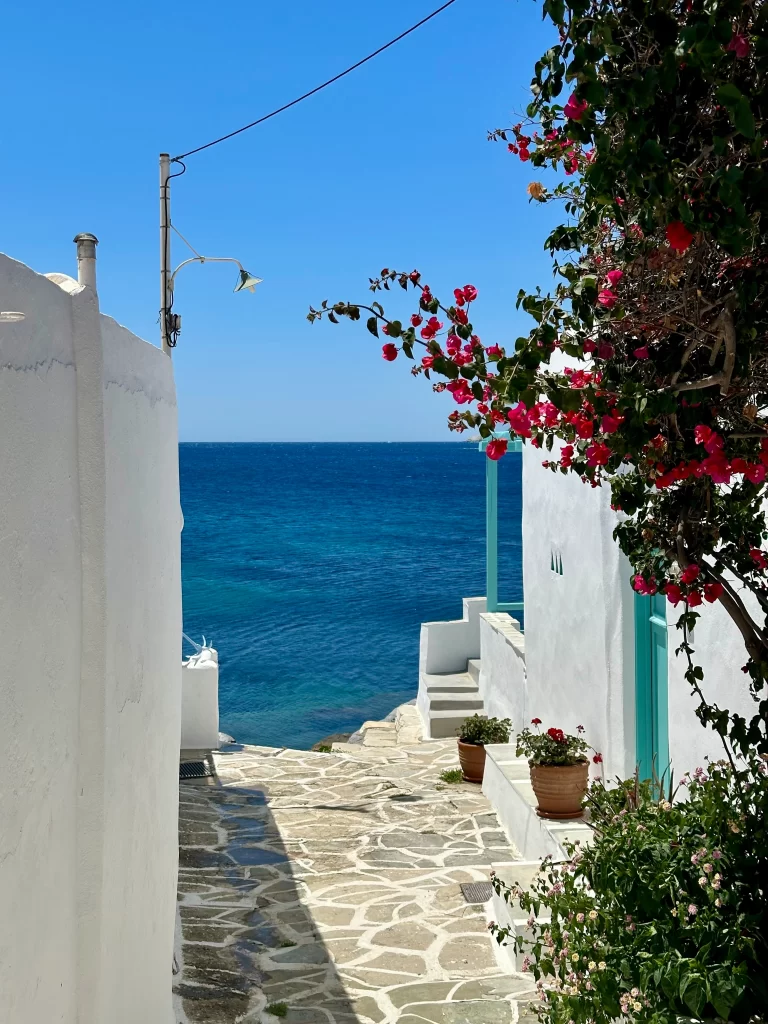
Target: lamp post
(170, 322)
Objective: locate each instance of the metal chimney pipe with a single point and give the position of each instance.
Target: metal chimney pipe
(86, 259)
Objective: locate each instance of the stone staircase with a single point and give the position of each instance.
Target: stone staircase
(445, 700)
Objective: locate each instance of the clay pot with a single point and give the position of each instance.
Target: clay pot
(472, 761)
(560, 789)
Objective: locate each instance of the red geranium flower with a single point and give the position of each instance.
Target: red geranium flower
(557, 735)
(535, 721)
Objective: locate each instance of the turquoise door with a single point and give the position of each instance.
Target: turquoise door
(651, 711)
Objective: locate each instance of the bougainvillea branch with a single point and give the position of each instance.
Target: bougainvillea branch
(647, 366)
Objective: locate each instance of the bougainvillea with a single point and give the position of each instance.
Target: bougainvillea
(647, 366)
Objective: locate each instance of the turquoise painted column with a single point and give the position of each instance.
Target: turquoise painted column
(491, 534)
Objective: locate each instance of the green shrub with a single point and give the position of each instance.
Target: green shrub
(479, 730)
(452, 775)
(278, 1009)
(662, 919)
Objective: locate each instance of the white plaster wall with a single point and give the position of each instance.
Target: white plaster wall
(90, 671)
(719, 649)
(40, 623)
(579, 631)
(503, 678)
(200, 701)
(447, 646)
(142, 714)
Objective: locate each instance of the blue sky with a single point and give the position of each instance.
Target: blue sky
(389, 167)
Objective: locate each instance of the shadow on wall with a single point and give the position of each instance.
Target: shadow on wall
(245, 940)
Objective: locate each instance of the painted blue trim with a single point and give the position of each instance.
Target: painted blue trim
(515, 444)
(651, 688)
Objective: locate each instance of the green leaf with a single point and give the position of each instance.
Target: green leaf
(372, 325)
(693, 992)
(395, 329)
(739, 110)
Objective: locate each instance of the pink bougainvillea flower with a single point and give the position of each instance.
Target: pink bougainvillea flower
(613, 277)
(644, 586)
(389, 352)
(605, 350)
(494, 352)
(739, 465)
(470, 292)
(575, 108)
(690, 574)
(462, 358)
(460, 316)
(416, 320)
(495, 449)
(678, 236)
(711, 440)
(674, 593)
(694, 598)
(458, 295)
(713, 592)
(607, 298)
(755, 473)
(427, 361)
(758, 557)
(483, 408)
(519, 420)
(642, 352)
(718, 468)
(590, 345)
(584, 427)
(524, 154)
(598, 454)
(739, 46)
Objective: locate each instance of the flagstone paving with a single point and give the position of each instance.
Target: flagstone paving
(330, 883)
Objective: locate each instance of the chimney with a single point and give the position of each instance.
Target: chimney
(86, 259)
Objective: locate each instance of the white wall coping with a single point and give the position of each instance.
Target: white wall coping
(507, 627)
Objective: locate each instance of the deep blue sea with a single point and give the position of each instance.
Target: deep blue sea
(311, 567)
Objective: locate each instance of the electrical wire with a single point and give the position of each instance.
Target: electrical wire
(312, 92)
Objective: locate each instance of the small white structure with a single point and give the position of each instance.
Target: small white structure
(200, 700)
(593, 653)
(90, 674)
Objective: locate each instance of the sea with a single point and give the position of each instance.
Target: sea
(310, 567)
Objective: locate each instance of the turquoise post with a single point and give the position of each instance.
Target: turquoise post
(491, 534)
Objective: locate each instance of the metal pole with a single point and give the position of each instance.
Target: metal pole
(165, 251)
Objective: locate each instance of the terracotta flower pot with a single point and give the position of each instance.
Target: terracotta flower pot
(560, 789)
(472, 761)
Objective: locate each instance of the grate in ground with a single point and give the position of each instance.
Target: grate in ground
(195, 769)
(476, 892)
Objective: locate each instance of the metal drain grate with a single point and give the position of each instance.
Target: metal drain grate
(476, 892)
(195, 769)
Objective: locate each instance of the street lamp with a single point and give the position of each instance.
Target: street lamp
(170, 322)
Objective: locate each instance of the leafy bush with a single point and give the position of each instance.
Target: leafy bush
(553, 747)
(480, 731)
(452, 775)
(662, 919)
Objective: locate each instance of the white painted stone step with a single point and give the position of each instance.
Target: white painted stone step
(473, 669)
(455, 702)
(458, 682)
(444, 724)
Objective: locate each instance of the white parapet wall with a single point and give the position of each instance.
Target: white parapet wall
(503, 680)
(200, 701)
(448, 646)
(90, 676)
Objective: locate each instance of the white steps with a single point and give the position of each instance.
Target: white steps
(446, 700)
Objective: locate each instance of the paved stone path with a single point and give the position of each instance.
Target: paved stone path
(330, 883)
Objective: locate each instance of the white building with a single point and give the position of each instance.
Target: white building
(90, 672)
(592, 653)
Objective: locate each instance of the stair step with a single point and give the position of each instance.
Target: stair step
(457, 702)
(473, 669)
(444, 724)
(455, 682)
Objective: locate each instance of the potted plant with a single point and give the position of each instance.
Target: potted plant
(473, 735)
(559, 764)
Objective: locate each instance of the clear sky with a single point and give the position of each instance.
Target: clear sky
(389, 167)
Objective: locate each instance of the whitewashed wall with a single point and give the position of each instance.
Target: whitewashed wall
(575, 664)
(90, 616)
(579, 629)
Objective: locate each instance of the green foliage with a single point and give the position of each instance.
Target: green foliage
(324, 748)
(662, 918)
(451, 775)
(480, 730)
(277, 1009)
(553, 747)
